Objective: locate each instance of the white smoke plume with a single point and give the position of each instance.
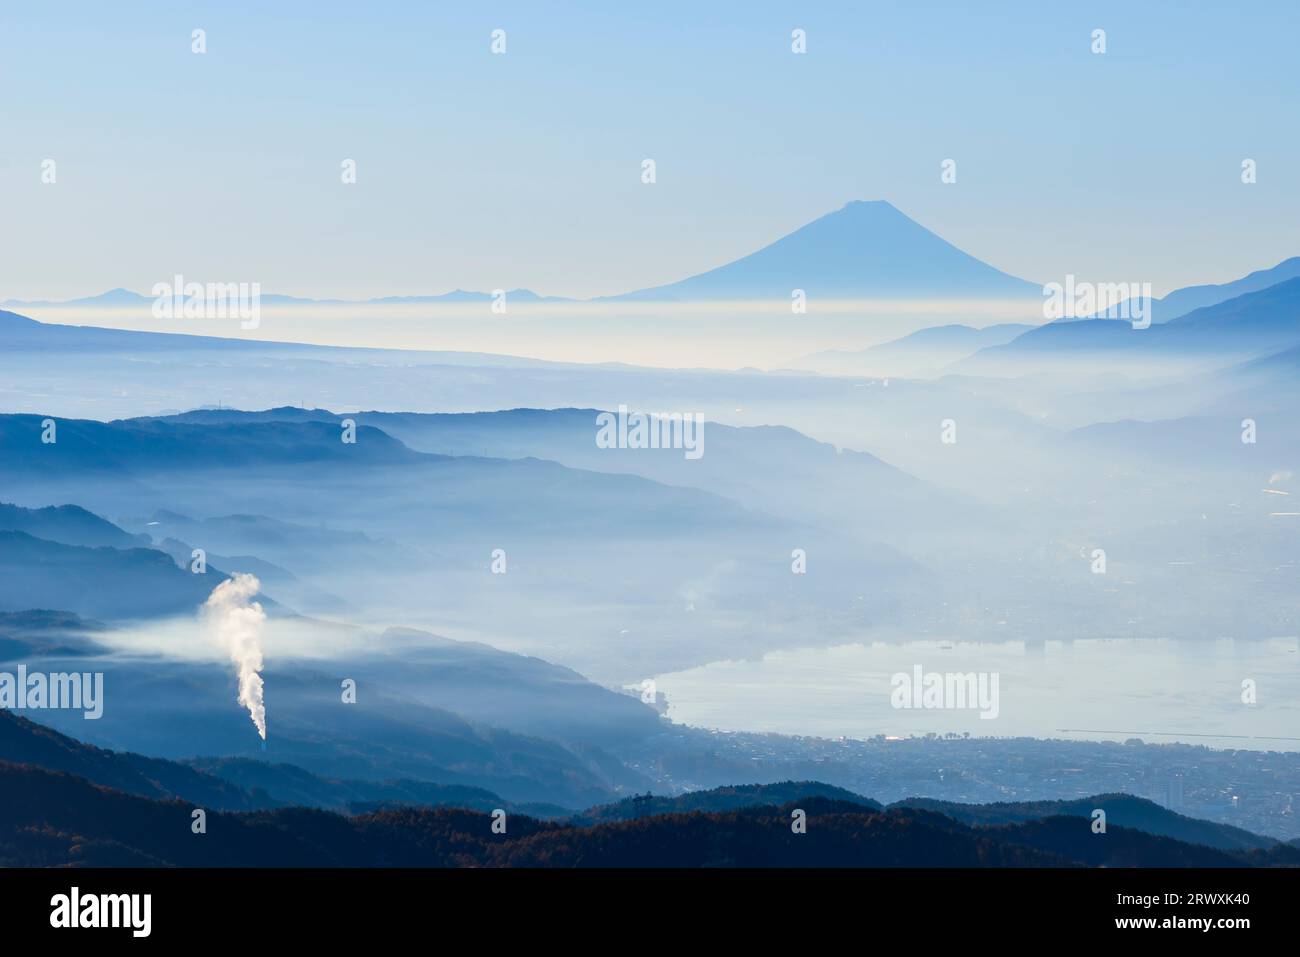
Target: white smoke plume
(235, 622)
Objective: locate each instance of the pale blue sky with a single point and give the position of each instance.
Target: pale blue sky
(485, 171)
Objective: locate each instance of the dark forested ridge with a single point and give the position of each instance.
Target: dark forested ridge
(50, 818)
(63, 803)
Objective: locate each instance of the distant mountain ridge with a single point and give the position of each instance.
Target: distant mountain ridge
(97, 807)
(67, 525)
(57, 819)
(1251, 324)
(44, 633)
(140, 444)
(126, 298)
(1182, 301)
(21, 334)
(722, 799)
(25, 742)
(867, 249)
(735, 466)
(929, 348)
(68, 558)
(101, 582)
(1121, 809)
(864, 250)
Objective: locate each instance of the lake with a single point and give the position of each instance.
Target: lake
(1111, 689)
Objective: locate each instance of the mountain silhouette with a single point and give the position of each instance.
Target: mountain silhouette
(63, 802)
(26, 742)
(721, 799)
(125, 298)
(864, 250)
(46, 633)
(101, 582)
(929, 348)
(67, 525)
(867, 249)
(52, 818)
(1182, 301)
(1252, 324)
(1124, 810)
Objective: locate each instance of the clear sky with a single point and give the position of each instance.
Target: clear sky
(483, 171)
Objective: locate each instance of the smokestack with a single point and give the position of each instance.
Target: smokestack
(235, 622)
